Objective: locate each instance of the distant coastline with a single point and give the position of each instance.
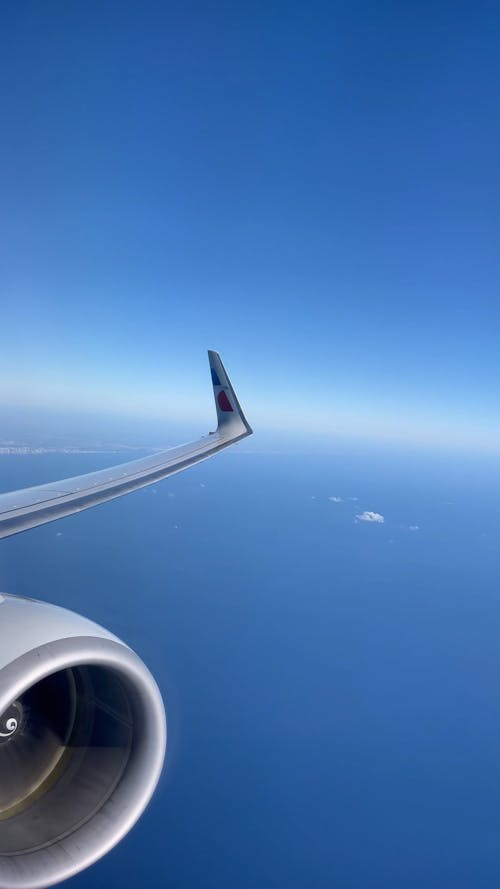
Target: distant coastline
(20, 449)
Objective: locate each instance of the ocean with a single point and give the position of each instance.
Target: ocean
(331, 682)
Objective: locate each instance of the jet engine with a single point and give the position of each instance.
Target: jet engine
(82, 742)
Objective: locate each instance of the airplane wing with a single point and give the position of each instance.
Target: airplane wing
(29, 507)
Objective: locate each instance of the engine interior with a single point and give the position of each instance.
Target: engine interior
(64, 746)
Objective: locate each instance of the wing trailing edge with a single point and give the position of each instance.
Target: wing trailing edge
(29, 507)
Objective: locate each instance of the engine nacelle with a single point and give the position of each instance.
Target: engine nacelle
(82, 742)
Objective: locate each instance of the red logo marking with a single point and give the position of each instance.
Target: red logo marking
(224, 403)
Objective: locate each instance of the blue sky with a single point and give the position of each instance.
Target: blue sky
(312, 189)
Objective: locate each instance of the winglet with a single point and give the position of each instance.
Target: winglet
(231, 420)
(20, 510)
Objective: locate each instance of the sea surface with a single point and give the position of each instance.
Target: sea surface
(332, 684)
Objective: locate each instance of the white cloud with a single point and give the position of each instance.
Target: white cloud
(414, 528)
(336, 499)
(353, 498)
(368, 516)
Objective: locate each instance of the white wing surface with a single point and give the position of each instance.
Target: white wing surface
(29, 507)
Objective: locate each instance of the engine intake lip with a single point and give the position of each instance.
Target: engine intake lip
(109, 818)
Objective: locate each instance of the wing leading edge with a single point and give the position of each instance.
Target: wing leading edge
(29, 507)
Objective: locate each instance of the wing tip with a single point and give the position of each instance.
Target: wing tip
(230, 415)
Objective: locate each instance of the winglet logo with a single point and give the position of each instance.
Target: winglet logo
(223, 402)
(215, 378)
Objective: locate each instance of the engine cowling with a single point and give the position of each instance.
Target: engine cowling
(82, 742)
